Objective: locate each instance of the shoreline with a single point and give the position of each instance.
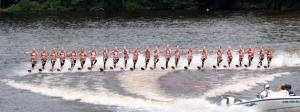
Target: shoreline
(5, 10)
(69, 15)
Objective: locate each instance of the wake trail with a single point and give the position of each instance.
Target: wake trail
(145, 84)
(94, 97)
(110, 98)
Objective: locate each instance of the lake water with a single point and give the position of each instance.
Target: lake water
(150, 90)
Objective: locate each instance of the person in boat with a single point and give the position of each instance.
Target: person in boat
(135, 57)
(219, 56)
(177, 55)
(266, 92)
(93, 55)
(261, 56)
(250, 52)
(147, 56)
(83, 55)
(53, 56)
(282, 92)
(105, 54)
(73, 55)
(168, 55)
(241, 55)
(126, 56)
(229, 56)
(204, 56)
(44, 55)
(190, 56)
(156, 56)
(33, 55)
(289, 89)
(62, 57)
(116, 57)
(269, 56)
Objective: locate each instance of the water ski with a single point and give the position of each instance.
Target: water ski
(58, 70)
(111, 68)
(185, 67)
(89, 68)
(142, 68)
(173, 67)
(214, 66)
(151, 68)
(237, 66)
(29, 71)
(77, 100)
(101, 69)
(198, 67)
(162, 68)
(131, 69)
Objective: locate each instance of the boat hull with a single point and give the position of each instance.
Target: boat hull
(289, 104)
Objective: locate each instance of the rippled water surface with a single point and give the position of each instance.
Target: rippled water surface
(158, 90)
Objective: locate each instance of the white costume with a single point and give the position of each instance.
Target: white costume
(266, 93)
(279, 94)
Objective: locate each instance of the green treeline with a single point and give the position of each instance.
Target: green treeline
(133, 5)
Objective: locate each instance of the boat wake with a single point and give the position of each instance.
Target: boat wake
(148, 96)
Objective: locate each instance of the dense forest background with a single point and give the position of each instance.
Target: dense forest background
(134, 5)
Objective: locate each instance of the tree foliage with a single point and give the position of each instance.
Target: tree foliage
(131, 5)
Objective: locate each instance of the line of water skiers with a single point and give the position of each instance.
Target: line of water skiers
(83, 54)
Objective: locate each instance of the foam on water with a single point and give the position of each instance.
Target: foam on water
(155, 100)
(202, 105)
(237, 84)
(87, 96)
(286, 59)
(145, 84)
(109, 98)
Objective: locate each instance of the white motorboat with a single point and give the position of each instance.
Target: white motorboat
(287, 104)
